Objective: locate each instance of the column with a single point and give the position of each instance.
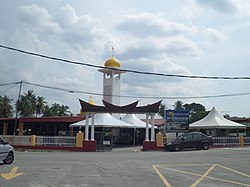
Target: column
(20, 129)
(87, 127)
(152, 128)
(147, 134)
(5, 128)
(92, 127)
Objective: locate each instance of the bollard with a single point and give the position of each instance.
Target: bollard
(33, 140)
(241, 141)
(79, 139)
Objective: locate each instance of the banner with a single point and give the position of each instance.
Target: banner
(177, 120)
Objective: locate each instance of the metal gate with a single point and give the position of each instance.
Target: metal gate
(104, 140)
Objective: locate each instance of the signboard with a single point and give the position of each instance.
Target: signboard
(177, 120)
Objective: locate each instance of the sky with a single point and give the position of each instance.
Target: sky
(184, 37)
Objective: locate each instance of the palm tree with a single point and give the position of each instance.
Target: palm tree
(178, 105)
(26, 106)
(161, 110)
(46, 111)
(40, 104)
(64, 111)
(56, 110)
(6, 109)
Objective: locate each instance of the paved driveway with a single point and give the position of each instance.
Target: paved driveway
(129, 167)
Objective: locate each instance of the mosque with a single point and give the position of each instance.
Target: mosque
(108, 116)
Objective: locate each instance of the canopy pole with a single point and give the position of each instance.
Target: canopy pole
(147, 131)
(87, 127)
(134, 135)
(152, 127)
(92, 127)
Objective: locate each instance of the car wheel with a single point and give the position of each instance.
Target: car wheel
(177, 148)
(9, 159)
(205, 146)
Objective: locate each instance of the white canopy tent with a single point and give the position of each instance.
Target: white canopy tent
(215, 121)
(135, 121)
(104, 120)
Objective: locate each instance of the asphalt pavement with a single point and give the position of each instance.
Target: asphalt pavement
(128, 167)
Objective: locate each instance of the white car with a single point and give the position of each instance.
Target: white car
(6, 152)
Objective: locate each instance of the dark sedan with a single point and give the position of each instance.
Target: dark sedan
(196, 140)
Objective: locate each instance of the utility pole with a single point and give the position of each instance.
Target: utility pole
(18, 99)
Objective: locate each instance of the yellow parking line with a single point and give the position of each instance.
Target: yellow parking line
(203, 176)
(164, 180)
(243, 174)
(179, 171)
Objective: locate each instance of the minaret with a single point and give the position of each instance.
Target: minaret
(112, 81)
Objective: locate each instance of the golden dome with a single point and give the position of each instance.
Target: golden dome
(90, 102)
(112, 62)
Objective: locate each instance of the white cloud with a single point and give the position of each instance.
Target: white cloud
(214, 36)
(155, 38)
(176, 45)
(38, 18)
(149, 24)
(79, 31)
(223, 6)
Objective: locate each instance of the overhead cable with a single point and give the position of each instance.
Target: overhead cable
(127, 70)
(142, 97)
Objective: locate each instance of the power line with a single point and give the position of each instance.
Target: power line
(127, 70)
(130, 96)
(7, 84)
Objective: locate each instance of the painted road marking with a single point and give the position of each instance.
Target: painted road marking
(205, 175)
(162, 177)
(12, 174)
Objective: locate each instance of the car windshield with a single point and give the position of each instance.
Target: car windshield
(181, 137)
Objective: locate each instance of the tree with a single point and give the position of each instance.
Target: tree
(64, 111)
(162, 110)
(26, 106)
(194, 108)
(46, 111)
(197, 111)
(40, 104)
(56, 110)
(198, 116)
(6, 109)
(178, 105)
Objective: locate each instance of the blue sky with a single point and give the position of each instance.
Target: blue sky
(188, 37)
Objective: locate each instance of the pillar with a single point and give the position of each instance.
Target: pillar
(20, 129)
(152, 128)
(147, 131)
(92, 127)
(149, 145)
(71, 131)
(5, 128)
(87, 127)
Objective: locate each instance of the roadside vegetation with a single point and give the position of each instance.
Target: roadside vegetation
(31, 105)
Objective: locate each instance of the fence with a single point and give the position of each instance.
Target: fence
(71, 141)
(41, 140)
(226, 141)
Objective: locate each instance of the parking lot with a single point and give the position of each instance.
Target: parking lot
(129, 167)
